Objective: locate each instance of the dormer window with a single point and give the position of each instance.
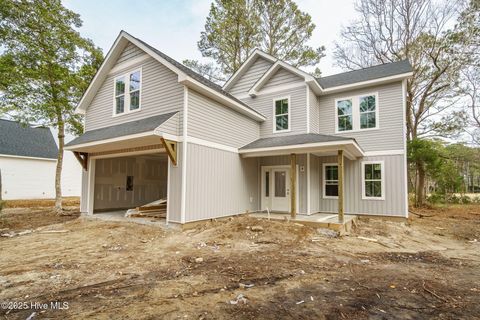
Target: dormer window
(281, 119)
(127, 92)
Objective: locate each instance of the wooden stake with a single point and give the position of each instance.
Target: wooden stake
(293, 185)
(340, 186)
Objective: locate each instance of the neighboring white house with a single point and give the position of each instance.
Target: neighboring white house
(27, 163)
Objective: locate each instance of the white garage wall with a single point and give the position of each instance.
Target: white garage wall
(27, 178)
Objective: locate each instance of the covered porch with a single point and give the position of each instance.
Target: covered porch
(291, 185)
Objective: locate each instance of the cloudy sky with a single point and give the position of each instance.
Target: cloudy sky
(174, 26)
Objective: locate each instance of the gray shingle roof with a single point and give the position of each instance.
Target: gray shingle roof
(124, 129)
(293, 140)
(197, 76)
(371, 73)
(26, 141)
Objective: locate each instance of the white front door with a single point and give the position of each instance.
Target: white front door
(276, 188)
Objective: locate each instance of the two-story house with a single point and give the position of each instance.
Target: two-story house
(272, 137)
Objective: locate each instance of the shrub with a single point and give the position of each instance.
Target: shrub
(435, 198)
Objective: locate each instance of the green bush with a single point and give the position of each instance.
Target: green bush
(2, 205)
(465, 200)
(435, 198)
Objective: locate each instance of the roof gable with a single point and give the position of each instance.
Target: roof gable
(26, 141)
(250, 75)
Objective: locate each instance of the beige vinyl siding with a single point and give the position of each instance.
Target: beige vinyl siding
(282, 77)
(389, 136)
(219, 183)
(84, 192)
(160, 93)
(302, 176)
(131, 51)
(175, 187)
(171, 126)
(263, 103)
(395, 193)
(211, 121)
(314, 111)
(246, 81)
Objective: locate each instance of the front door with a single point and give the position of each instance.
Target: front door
(276, 188)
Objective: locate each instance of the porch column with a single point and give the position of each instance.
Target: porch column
(340, 185)
(293, 184)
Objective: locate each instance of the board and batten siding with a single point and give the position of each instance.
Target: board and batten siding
(395, 193)
(264, 103)
(315, 183)
(301, 179)
(219, 183)
(282, 77)
(211, 121)
(246, 81)
(174, 204)
(389, 136)
(84, 193)
(160, 93)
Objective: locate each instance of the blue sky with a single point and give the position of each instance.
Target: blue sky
(174, 26)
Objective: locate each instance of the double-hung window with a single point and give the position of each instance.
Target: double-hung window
(281, 109)
(357, 113)
(373, 180)
(127, 92)
(330, 180)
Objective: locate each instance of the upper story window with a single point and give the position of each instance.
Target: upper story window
(373, 185)
(357, 113)
(281, 119)
(127, 92)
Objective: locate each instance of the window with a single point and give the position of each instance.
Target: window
(330, 180)
(127, 92)
(373, 185)
(282, 115)
(357, 113)
(280, 184)
(129, 184)
(367, 112)
(345, 116)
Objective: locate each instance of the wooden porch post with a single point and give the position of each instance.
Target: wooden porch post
(340, 185)
(293, 185)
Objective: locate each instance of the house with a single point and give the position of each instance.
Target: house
(28, 159)
(272, 137)
(28, 156)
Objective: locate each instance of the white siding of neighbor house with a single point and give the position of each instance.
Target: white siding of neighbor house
(27, 178)
(246, 81)
(219, 183)
(390, 134)
(160, 93)
(395, 193)
(282, 77)
(263, 103)
(211, 121)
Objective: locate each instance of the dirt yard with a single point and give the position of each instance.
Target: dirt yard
(242, 268)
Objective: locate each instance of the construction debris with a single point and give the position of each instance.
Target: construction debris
(257, 228)
(239, 298)
(156, 209)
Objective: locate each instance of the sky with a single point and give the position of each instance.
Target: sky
(174, 26)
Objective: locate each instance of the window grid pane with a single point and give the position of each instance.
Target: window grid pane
(281, 115)
(331, 181)
(345, 116)
(367, 112)
(373, 180)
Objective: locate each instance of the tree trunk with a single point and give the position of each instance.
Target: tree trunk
(58, 170)
(420, 195)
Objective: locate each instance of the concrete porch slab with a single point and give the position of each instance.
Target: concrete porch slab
(119, 216)
(316, 220)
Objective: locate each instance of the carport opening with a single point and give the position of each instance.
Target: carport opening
(133, 184)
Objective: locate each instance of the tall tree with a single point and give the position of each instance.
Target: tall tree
(234, 28)
(231, 33)
(45, 66)
(417, 30)
(209, 70)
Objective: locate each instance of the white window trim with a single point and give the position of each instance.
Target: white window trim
(289, 115)
(356, 112)
(126, 107)
(382, 164)
(324, 180)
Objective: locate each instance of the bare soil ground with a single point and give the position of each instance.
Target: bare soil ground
(428, 268)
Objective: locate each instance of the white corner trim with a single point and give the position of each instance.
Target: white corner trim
(184, 155)
(26, 158)
(128, 64)
(384, 153)
(274, 125)
(382, 163)
(308, 109)
(169, 164)
(308, 184)
(90, 186)
(404, 104)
